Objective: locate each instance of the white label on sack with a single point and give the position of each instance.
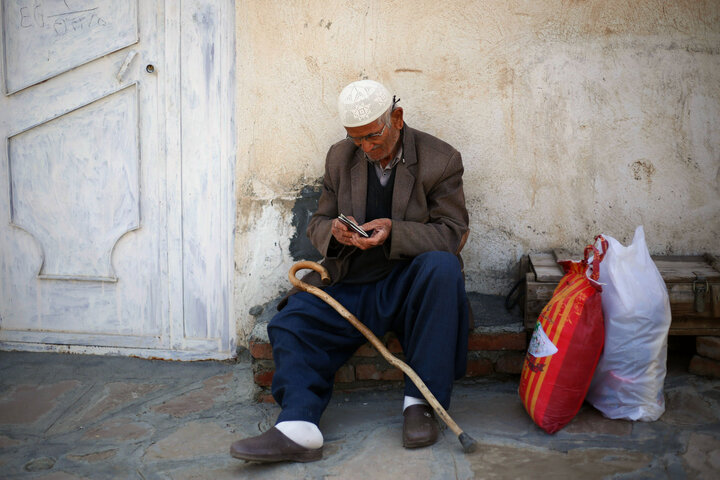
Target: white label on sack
(540, 344)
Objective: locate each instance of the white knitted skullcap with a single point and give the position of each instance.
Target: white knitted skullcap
(362, 102)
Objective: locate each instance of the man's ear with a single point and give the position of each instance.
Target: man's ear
(396, 118)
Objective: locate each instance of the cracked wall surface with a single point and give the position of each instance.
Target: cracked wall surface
(574, 118)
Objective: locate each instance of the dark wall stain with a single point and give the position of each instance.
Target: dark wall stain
(305, 206)
(642, 170)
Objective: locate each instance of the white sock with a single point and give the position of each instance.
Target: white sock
(410, 401)
(305, 434)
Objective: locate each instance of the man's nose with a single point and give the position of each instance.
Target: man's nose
(366, 145)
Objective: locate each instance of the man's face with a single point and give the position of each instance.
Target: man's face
(378, 148)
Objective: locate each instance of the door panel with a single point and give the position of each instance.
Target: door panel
(82, 225)
(43, 38)
(116, 192)
(202, 185)
(77, 228)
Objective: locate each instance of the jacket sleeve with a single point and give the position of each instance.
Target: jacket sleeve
(446, 218)
(319, 229)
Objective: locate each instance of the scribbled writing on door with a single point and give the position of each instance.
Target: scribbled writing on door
(60, 17)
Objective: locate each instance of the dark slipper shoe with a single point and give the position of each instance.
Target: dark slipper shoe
(273, 446)
(420, 428)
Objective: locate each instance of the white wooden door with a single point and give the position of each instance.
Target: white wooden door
(106, 243)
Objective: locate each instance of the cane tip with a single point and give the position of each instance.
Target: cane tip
(468, 443)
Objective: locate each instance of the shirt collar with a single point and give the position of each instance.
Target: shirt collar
(395, 160)
(391, 165)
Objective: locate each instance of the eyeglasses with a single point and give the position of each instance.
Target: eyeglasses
(370, 137)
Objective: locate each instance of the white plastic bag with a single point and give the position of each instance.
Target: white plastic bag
(628, 381)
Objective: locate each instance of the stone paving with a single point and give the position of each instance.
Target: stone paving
(91, 417)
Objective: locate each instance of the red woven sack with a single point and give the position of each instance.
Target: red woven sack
(566, 345)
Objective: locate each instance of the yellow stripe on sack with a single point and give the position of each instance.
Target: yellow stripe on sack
(548, 312)
(533, 381)
(566, 299)
(560, 297)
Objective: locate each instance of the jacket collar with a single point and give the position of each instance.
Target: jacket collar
(404, 175)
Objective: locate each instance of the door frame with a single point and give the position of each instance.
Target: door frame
(222, 122)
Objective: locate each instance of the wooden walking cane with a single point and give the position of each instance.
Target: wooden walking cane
(468, 443)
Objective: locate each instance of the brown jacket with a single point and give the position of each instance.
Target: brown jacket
(428, 204)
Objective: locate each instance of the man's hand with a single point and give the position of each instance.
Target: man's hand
(342, 233)
(380, 232)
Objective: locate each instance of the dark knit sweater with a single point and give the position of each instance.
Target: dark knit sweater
(371, 265)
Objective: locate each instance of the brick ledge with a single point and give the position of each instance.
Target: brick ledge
(496, 345)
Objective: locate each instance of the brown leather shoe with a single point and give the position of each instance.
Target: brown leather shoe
(420, 428)
(273, 446)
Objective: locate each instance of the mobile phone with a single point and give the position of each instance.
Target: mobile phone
(353, 226)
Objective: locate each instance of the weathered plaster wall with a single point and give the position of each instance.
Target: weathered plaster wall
(573, 117)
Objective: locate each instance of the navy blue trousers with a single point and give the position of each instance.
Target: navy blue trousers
(422, 301)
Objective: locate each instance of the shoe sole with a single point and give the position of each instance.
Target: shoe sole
(419, 445)
(304, 457)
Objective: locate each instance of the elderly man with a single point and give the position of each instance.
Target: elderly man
(404, 187)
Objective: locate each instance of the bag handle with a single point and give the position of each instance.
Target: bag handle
(598, 256)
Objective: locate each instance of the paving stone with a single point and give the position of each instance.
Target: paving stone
(58, 476)
(192, 440)
(116, 395)
(703, 456)
(685, 407)
(122, 429)
(6, 442)
(41, 463)
(342, 418)
(102, 401)
(712, 394)
(496, 414)
(197, 400)
(362, 430)
(27, 403)
(232, 470)
(93, 456)
(380, 447)
(274, 471)
(591, 422)
(501, 461)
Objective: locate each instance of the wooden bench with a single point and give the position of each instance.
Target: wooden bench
(693, 284)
